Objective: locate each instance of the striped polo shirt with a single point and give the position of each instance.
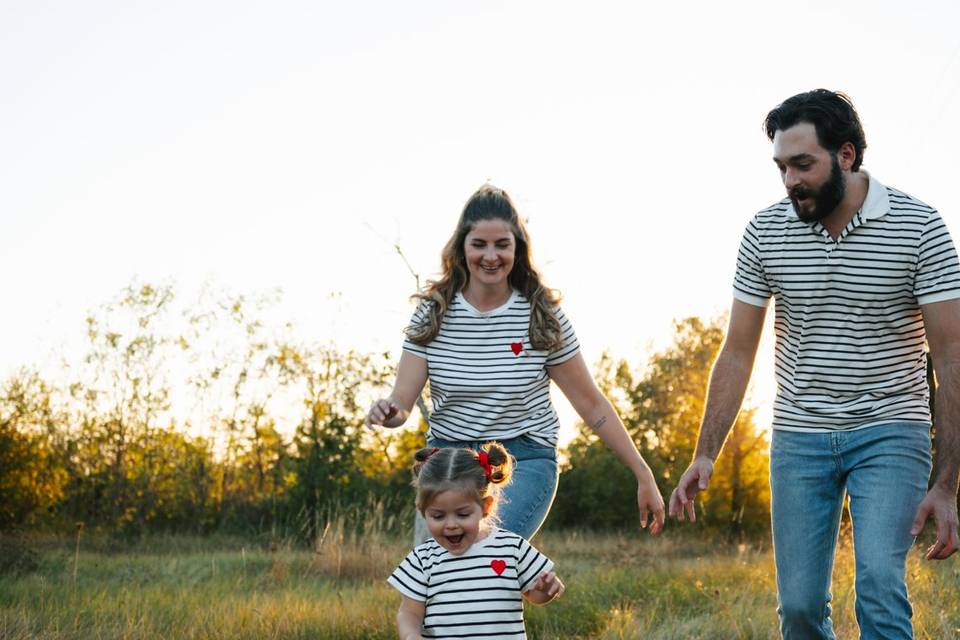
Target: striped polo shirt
(486, 381)
(477, 594)
(849, 332)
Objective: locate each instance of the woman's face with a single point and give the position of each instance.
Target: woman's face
(489, 249)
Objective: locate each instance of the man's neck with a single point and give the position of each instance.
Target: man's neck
(857, 186)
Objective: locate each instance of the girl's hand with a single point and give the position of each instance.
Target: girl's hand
(382, 412)
(650, 500)
(547, 587)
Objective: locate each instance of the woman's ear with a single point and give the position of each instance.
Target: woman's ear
(487, 504)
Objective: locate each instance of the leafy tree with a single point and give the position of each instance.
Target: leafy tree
(329, 438)
(661, 408)
(32, 471)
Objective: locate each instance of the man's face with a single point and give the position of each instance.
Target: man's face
(812, 175)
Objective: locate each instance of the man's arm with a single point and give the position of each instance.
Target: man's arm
(728, 384)
(942, 324)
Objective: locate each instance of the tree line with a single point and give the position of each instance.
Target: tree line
(208, 416)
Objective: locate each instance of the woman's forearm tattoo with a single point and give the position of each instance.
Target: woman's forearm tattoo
(599, 423)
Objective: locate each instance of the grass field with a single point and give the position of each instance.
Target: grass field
(618, 586)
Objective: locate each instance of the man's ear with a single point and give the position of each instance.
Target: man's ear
(846, 156)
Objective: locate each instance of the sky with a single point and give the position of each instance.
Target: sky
(291, 145)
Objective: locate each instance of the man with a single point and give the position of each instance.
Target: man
(861, 274)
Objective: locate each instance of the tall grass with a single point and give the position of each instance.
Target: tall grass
(618, 586)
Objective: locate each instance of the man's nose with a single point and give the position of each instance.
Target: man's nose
(790, 179)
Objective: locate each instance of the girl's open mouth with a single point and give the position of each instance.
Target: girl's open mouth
(455, 539)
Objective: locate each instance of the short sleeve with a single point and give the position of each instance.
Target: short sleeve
(749, 281)
(418, 318)
(530, 564)
(409, 578)
(938, 272)
(570, 345)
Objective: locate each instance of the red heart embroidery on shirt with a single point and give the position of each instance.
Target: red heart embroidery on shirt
(498, 566)
(516, 347)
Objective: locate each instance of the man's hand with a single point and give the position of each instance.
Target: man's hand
(694, 480)
(940, 504)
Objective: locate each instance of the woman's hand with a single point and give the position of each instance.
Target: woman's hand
(651, 503)
(385, 413)
(394, 410)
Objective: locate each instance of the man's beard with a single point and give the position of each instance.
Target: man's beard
(826, 199)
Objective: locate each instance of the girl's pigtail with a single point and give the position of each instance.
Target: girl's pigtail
(500, 461)
(420, 458)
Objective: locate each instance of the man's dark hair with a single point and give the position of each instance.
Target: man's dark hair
(830, 112)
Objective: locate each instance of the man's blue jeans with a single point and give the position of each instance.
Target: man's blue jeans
(526, 500)
(884, 469)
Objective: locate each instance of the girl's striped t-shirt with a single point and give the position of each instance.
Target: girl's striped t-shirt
(486, 381)
(849, 328)
(477, 594)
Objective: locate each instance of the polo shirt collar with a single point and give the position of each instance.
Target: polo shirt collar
(876, 205)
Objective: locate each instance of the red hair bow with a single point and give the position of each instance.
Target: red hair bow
(484, 461)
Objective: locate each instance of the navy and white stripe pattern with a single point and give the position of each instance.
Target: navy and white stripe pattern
(486, 381)
(477, 594)
(849, 331)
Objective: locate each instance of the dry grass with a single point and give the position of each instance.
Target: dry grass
(619, 586)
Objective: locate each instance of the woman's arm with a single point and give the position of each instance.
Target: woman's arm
(578, 386)
(394, 410)
(410, 619)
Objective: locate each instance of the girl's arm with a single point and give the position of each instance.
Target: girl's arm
(394, 410)
(578, 386)
(547, 587)
(410, 619)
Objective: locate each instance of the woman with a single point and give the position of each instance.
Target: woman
(490, 337)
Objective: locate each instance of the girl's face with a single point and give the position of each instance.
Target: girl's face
(454, 519)
(489, 249)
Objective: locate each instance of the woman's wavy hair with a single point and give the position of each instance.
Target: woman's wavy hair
(459, 469)
(490, 203)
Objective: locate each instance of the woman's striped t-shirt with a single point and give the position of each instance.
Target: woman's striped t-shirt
(849, 329)
(477, 594)
(486, 381)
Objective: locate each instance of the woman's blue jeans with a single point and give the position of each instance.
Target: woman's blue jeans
(884, 469)
(524, 503)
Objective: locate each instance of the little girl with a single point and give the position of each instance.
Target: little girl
(467, 581)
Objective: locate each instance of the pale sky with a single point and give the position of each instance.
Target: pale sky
(290, 144)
